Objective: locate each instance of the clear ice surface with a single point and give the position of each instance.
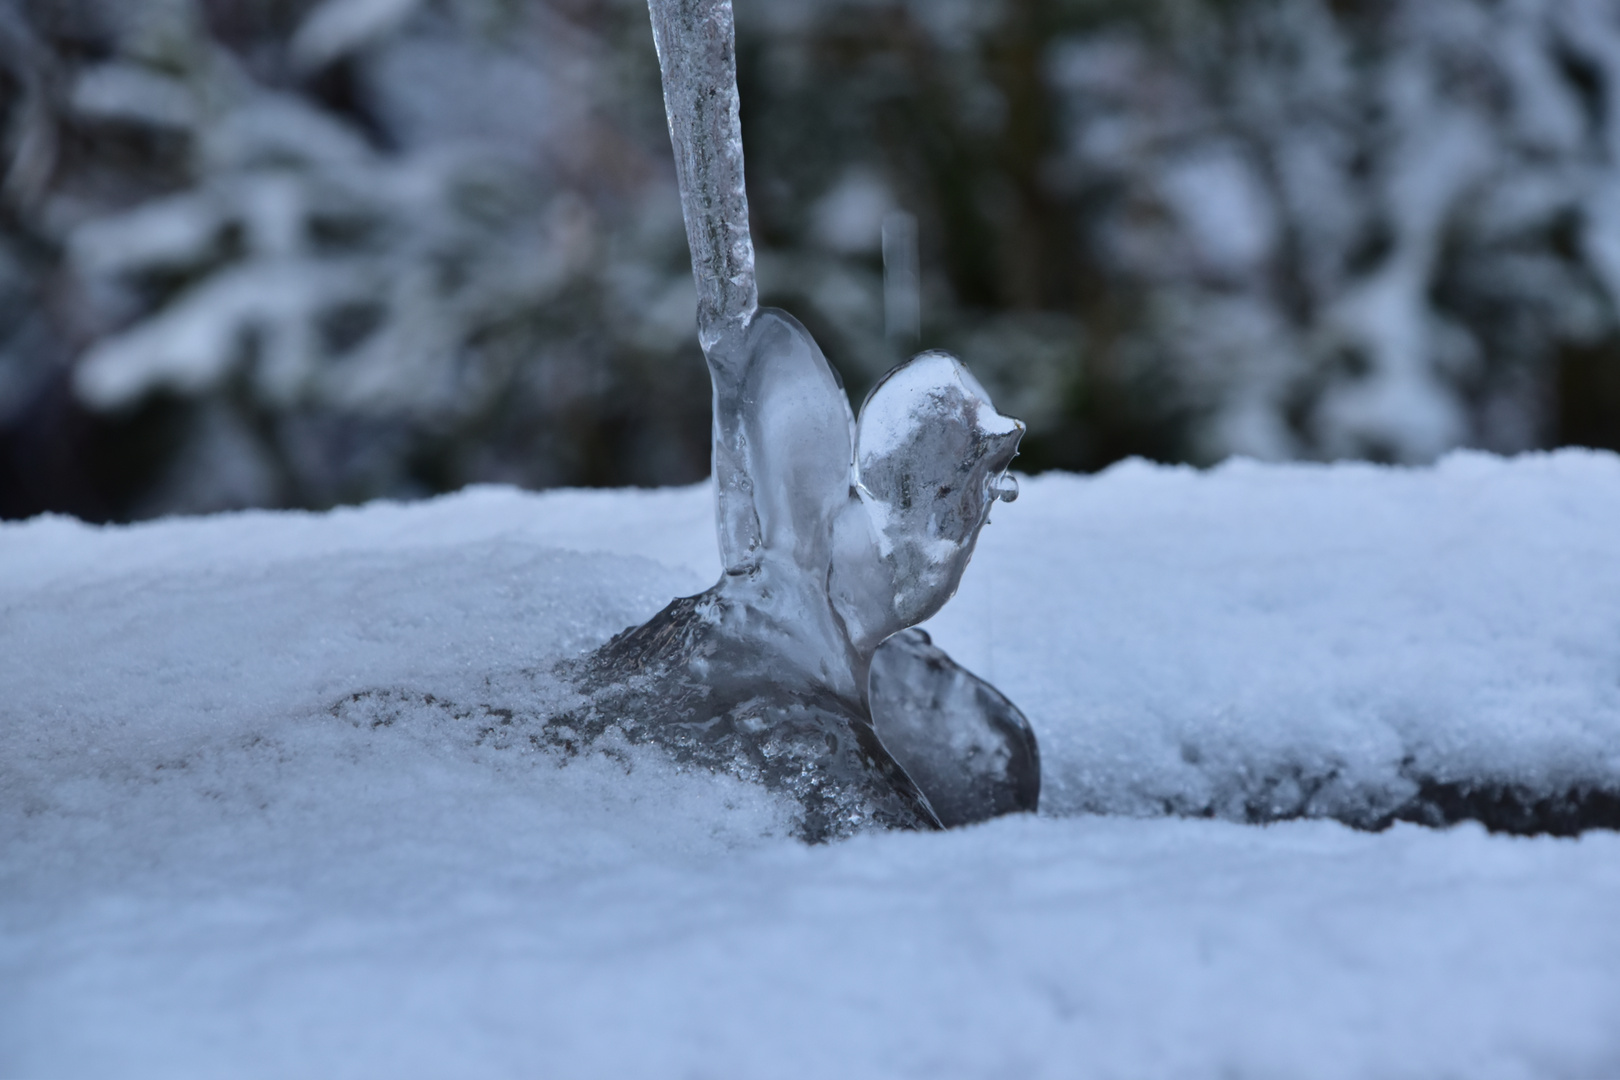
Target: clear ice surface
(836, 534)
(957, 736)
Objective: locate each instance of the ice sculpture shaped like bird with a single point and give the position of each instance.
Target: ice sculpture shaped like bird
(836, 535)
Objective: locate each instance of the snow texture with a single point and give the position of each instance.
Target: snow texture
(211, 861)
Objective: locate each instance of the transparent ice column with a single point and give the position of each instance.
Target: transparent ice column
(836, 534)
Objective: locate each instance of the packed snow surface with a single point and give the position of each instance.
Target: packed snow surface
(218, 857)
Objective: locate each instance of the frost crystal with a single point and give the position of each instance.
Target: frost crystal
(836, 535)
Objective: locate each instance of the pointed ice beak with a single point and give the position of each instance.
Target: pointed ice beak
(1001, 435)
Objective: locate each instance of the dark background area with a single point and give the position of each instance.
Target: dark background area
(287, 253)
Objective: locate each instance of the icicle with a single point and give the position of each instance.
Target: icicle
(697, 54)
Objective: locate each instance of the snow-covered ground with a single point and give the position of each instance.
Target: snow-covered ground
(214, 860)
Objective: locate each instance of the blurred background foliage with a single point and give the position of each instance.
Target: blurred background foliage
(304, 252)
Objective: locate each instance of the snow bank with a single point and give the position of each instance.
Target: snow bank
(220, 855)
(1262, 641)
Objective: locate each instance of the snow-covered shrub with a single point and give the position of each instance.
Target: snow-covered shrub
(27, 153)
(398, 248)
(1361, 230)
(1180, 228)
(1283, 229)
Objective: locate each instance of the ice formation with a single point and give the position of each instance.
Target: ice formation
(835, 535)
(955, 734)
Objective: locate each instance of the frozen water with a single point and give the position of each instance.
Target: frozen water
(931, 459)
(213, 864)
(834, 534)
(697, 53)
(766, 674)
(955, 734)
(711, 678)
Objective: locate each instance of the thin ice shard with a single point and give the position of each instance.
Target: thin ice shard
(697, 54)
(835, 535)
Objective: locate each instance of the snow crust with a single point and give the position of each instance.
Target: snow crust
(1180, 639)
(211, 863)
